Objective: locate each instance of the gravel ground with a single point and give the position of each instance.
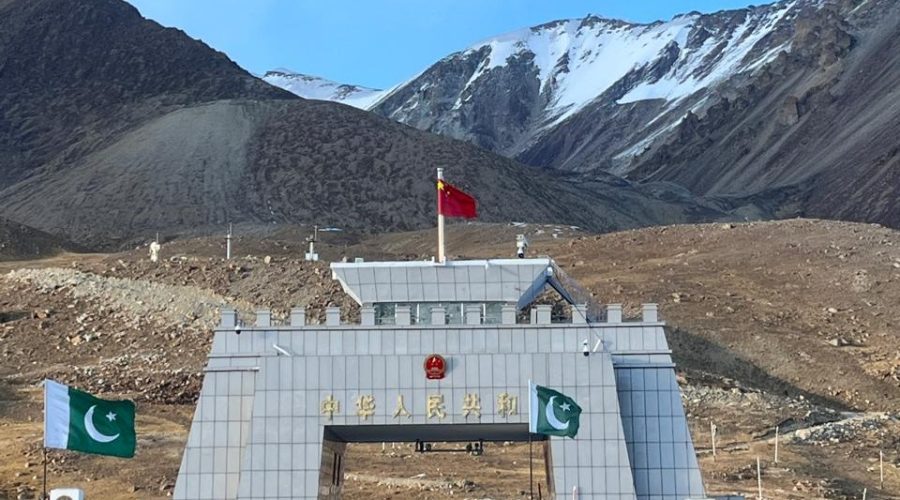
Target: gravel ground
(751, 310)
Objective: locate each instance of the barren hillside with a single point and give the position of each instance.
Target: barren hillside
(788, 323)
(792, 101)
(113, 128)
(19, 242)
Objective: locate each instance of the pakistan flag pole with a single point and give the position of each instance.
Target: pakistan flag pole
(530, 454)
(75, 420)
(552, 413)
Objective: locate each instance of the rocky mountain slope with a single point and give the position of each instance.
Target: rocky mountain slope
(22, 242)
(507, 93)
(73, 75)
(817, 119)
(793, 102)
(114, 128)
(315, 87)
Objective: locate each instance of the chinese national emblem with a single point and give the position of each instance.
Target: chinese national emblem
(435, 367)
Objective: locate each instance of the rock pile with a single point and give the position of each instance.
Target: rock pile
(843, 431)
(141, 330)
(187, 305)
(110, 336)
(279, 285)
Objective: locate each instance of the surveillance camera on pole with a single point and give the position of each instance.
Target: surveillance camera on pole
(311, 255)
(521, 245)
(585, 349)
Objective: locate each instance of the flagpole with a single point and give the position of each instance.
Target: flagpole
(442, 255)
(530, 469)
(44, 495)
(530, 454)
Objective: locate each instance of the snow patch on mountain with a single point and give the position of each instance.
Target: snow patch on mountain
(579, 59)
(688, 74)
(544, 94)
(314, 87)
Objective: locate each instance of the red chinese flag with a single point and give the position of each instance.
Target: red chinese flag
(455, 203)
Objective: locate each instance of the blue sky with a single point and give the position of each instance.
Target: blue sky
(379, 43)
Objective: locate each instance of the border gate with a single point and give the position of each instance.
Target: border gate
(439, 354)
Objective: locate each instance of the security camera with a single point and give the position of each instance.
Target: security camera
(237, 329)
(585, 349)
(521, 245)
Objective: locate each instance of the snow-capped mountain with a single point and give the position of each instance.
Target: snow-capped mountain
(792, 104)
(509, 93)
(314, 87)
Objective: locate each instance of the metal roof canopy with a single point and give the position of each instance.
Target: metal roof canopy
(512, 281)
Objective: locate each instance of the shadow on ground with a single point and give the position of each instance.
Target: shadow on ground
(693, 352)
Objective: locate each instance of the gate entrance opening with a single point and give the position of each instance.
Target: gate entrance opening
(484, 460)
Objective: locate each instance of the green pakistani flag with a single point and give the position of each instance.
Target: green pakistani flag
(552, 412)
(75, 420)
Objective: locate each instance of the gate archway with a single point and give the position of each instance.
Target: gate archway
(270, 392)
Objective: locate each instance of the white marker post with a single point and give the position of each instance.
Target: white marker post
(442, 255)
(228, 243)
(758, 480)
(712, 437)
(776, 444)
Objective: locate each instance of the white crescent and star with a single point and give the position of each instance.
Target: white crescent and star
(551, 415)
(92, 431)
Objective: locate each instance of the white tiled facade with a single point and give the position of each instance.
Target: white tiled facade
(260, 432)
